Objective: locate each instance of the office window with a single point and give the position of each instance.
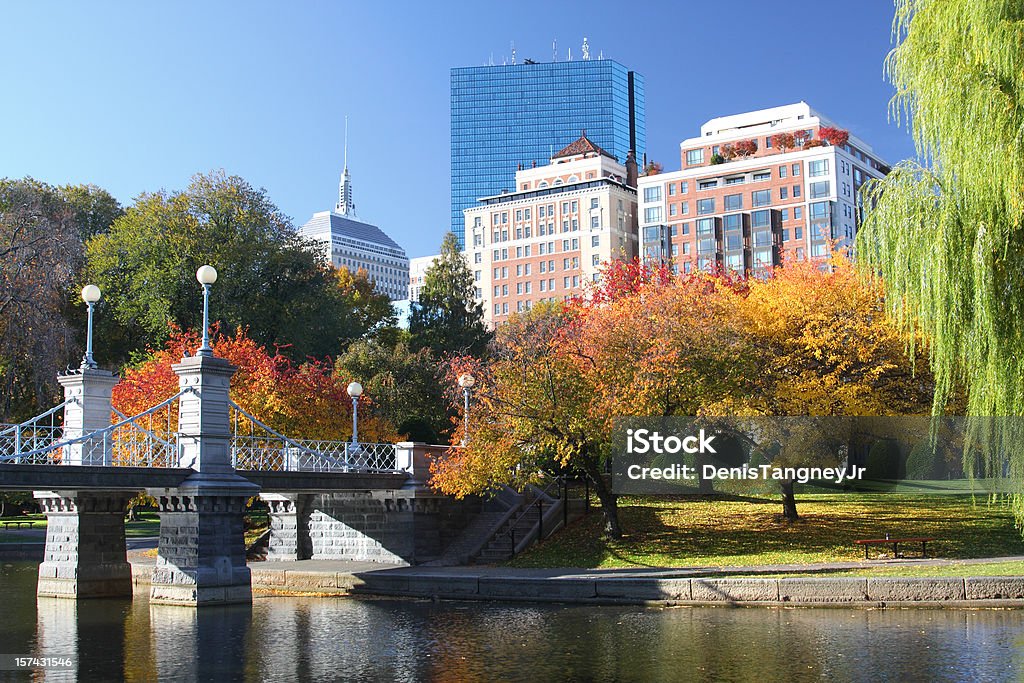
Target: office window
(734, 202)
(686, 228)
(818, 167)
(595, 260)
(783, 193)
(673, 209)
(762, 176)
(785, 234)
(595, 222)
(736, 180)
(652, 214)
(706, 226)
(705, 206)
(798, 212)
(594, 202)
(796, 191)
(762, 238)
(684, 207)
(684, 187)
(761, 197)
(686, 248)
(733, 242)
(820, 210)
(478, 257)
(819, 189)
(760, 219)
(783, 171)
(671, 189)
(595, 241)
(732, 221)
(706, 246)
(784, 214)
(707, 184)
(526, 214)
(798, 232)
(575, 206)
(651, 194)
(796, 170)
(694, 156)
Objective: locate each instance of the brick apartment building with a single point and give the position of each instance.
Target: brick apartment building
(742, 202)
(546, 239)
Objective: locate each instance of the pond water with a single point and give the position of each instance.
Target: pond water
(326, 639)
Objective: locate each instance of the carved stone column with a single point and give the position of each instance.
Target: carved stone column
(289, 526)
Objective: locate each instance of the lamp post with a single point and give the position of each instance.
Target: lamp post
(355, 390)
(466, 381)
(206, 275)
(90, 295)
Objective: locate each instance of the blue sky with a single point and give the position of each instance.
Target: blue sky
(137, 96)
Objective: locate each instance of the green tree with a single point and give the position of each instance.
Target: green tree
(946, 235)
(94, 209)
(448, 319)
(403, 385)
(371, 310)
(270, 280)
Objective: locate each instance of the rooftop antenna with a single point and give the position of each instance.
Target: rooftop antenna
(513, 52)
(586, 50)
(554, 50)
(570, 54)
(490, 61)
(346, 142)
(600, 56)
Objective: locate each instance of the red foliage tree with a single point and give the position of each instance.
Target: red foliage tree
(745, 148)
(813, 142)
(783, 141)
(837, 137)
(728, 151)
(306, 401)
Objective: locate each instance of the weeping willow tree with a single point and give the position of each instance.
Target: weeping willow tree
(946, 233)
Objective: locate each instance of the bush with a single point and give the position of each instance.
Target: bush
(884, 460)
(717, 159)
(922, 462)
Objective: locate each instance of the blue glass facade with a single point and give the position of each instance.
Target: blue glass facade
(503, 116)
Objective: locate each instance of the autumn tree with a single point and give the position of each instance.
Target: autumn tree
(837, 137)
(40, 261)
(448, 319)
(535, 402)
(302, 401)
(832, 351)
(783, 141)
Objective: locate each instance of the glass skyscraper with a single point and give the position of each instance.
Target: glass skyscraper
(503, 116)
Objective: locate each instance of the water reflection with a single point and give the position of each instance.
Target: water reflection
(288, 639)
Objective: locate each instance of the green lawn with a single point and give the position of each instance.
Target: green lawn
(693, 532)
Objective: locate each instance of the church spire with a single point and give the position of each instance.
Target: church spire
(345, 206)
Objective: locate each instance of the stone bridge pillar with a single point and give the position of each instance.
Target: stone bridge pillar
(201, 556)
(85, 549)
(91, 389)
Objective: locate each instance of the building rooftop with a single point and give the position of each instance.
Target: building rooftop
(582, 146)
(329, 222)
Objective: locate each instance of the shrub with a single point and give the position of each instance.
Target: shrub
(717, 159)
(922, 462)
(883, 460)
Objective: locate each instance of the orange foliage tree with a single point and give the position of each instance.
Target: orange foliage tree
(806, 340)
(308, 401)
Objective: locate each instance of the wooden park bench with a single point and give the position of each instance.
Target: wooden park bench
(895, 542)
(16, 523)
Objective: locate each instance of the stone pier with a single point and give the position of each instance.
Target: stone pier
(201, 555)
(85, 550)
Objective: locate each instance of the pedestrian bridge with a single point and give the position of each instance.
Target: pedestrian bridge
(203, 458)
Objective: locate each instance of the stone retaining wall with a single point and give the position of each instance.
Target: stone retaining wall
(1002, 591)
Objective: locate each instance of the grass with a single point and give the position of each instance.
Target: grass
(147, 525)
(693, 532)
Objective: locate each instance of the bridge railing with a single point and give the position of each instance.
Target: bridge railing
(257, 446)
(143, 440)
(34, 434)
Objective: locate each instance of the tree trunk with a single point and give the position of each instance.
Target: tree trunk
(788, 500)
(609, 500)
(705, 487)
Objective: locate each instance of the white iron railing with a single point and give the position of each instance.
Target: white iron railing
(256, 446)
(34, 434)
